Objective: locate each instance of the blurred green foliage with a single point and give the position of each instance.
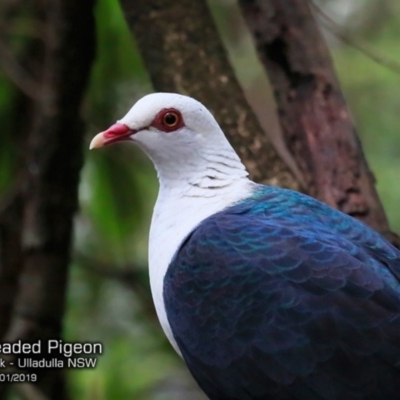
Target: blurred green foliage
(118, 190)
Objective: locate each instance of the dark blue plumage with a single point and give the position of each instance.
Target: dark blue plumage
(282, 297)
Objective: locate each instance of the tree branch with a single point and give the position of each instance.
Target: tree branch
(317, 126)
(183, 53)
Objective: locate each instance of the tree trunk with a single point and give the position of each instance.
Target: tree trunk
(316, 123)
(183, 53)
(11, 203)
(10, 259)
(51, 173)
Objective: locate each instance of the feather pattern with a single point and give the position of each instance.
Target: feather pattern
(267, 294)
(281, 297)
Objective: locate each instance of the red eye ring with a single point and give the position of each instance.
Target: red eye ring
(168, 120)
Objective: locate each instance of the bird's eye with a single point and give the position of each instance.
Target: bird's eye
(170, 119)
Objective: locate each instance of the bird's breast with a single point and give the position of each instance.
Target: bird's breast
(174, 218)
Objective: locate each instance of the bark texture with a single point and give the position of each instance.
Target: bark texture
(51, 173)
(316, 123)
(10, 259)
(11, 202)
(183, 53)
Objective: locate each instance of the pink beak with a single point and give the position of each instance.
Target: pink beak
(115, 133)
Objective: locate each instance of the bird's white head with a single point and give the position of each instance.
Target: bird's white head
(180, 136)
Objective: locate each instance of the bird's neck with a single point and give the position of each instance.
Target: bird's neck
(181, 206)
(186, 198)
(201, 174)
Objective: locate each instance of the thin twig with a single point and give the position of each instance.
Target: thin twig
(17, 74)
(335, 28)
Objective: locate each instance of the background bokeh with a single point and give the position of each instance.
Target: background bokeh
(109, 298)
